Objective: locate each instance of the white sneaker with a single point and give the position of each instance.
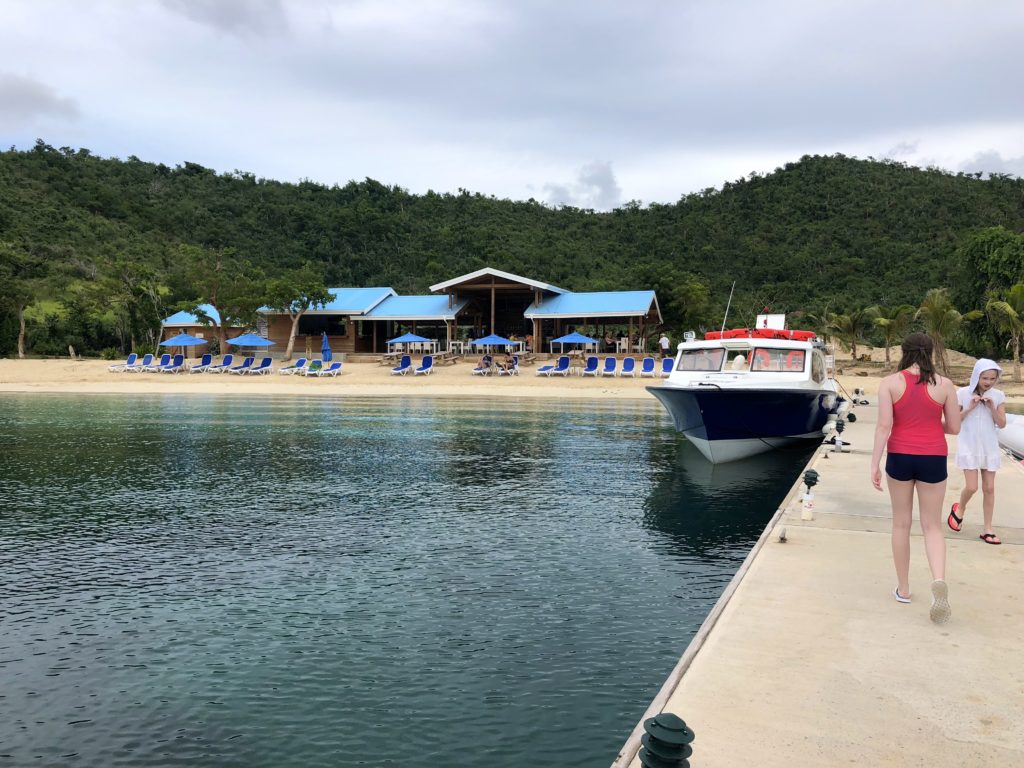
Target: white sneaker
(899, 598)
(939, 612)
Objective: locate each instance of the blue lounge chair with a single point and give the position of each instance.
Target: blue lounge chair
(426, 367)
(174, 366)
(165, 359)
(628, 367)
(666, 366)
(590, 369)
(222, 366)
(561, 367)
(129, 363)
(609, 366)
(147, 360)
(403, 366)
(332, 370)
(204, 365)
(313, 369)
(484, 368)
(245, 366)
(647, 368)
(513, 371)
(288, 370)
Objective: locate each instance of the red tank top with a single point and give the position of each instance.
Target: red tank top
(917, 422)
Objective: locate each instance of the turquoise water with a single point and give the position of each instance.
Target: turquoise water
(215, 581)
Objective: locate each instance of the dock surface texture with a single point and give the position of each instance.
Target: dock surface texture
(811, 662)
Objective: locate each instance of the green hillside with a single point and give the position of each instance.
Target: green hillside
(92, 247)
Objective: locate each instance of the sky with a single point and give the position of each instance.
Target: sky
(569, 102)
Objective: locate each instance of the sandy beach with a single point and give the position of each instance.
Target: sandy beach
(370, 379)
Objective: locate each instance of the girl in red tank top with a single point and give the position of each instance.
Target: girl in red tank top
(916, 410)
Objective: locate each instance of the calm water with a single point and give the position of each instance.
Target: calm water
(212, 581)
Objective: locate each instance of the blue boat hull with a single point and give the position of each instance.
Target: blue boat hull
(731, 424)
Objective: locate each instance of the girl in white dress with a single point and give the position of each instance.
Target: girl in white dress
(982, 410)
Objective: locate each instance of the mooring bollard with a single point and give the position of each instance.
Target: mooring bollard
(810, 480)
(666, 742)
(840, 426)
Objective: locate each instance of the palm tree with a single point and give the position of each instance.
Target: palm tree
(1007, 315)
(892, 323)
(849, 328)
(941, 320)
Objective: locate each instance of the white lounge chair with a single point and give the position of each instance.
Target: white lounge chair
(222, 366)
(647, 366)
(290, 370)
(122, 367)
(332, 370)
(425, 367)
(204, 365)
(265, 366)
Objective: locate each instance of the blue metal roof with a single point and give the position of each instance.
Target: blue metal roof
(187, 318)
(351, 301)
(600, 304)
(415, 308)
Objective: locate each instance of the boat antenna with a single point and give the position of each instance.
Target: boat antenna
(729, 304)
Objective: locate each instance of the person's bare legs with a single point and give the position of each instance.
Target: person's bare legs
(988, 497)
(970, 488)
(901, 493)
(929, 500)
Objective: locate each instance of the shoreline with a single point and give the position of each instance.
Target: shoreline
(365, 379)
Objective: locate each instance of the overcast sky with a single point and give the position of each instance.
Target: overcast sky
(576, 102)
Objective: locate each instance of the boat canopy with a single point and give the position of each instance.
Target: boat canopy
(760, 333)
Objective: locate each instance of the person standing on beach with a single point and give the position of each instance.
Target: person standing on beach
(982, 408)
(917, 408)
(664, 343)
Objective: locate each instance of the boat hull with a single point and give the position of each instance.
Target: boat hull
(1011, 436)
(730, 424)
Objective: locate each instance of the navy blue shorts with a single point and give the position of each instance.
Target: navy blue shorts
(908, 466)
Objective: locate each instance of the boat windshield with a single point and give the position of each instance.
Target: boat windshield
(701, 360)
(775, 359)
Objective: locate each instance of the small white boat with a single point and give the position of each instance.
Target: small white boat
(741, 392)
(1011, 437)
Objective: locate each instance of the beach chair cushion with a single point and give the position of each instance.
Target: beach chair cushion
(403, 366)
(609, 366)
(628, 367)
(647, 366)
(331, 370)
(223, 365)
(426, 367)
(265, 366)
(590, 369)
(129, 363)
(288, 370)
(666, 366)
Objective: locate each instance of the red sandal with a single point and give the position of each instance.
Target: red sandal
(952, 516)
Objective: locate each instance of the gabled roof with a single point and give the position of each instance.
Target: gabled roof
(416, 308)
(496, 273)
(599, 304)
(183, 319)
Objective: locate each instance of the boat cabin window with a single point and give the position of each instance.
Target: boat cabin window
(778, 359)
(701, 360)
(818, 367)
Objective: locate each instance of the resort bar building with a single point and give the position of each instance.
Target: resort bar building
(361, 320)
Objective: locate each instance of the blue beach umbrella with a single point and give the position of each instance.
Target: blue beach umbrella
(182, 340)
(492, 341)
(407, 338)
(574, 338)
(250, 340)
(325, 350)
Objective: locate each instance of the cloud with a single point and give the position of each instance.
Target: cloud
(24, 100)
(902, 149)
(595, 187)
(991, 161)
(235, 17)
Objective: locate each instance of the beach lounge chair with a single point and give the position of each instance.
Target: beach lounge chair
(288, 370)
(666, 366)
(484, 367)
(332, 370)
(561, 367)
(426, 367)
(204, 365)
(174, 366)
(513, 371)
(165, 359)
(222, 366)
(628, 367)
(129, 363)
(313, 369)
(266, 366)
(609, 366)
(590, 369)
(647, 368)
(147, 360)
(245, 366)
(403, 366)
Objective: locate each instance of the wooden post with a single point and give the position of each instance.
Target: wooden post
(375, 336)
(492, 305)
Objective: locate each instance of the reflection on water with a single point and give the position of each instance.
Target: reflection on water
(218, 581)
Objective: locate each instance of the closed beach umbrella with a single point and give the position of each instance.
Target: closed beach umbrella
(325, 350)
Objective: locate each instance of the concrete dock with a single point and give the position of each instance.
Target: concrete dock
(808, 660)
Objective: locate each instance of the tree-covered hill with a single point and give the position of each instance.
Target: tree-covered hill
(91, 248)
